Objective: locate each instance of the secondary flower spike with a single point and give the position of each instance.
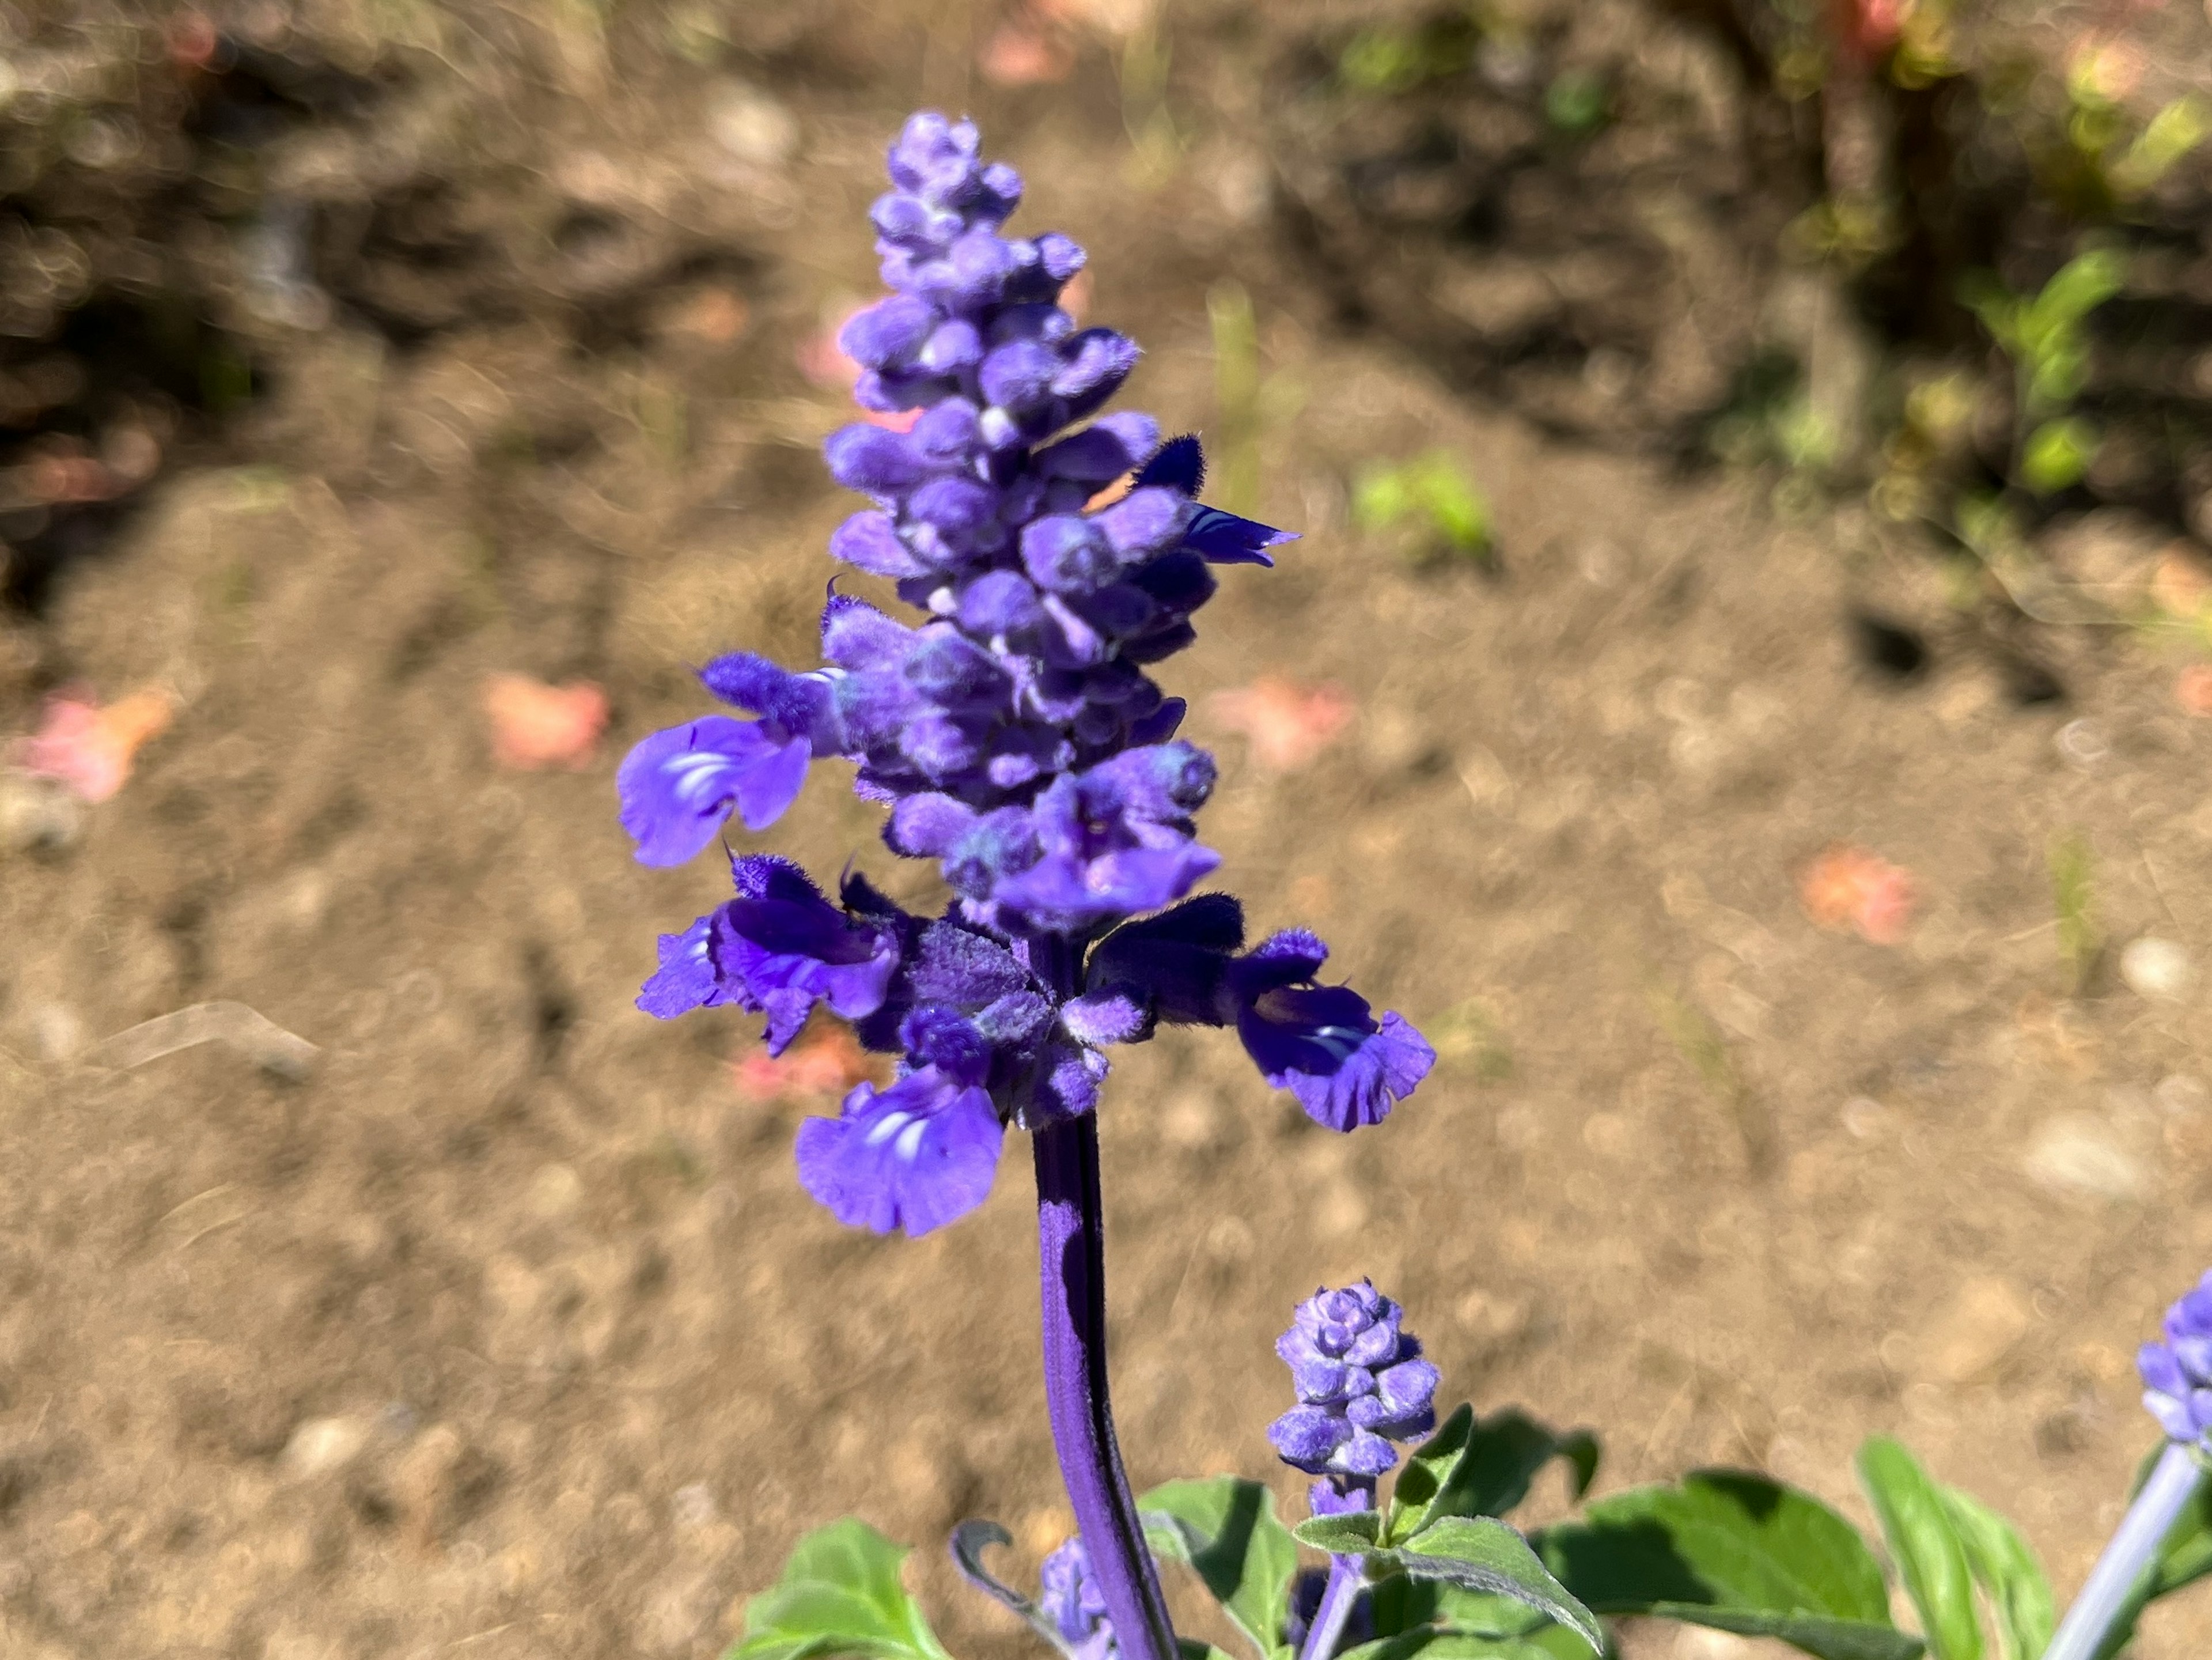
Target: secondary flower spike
(2177, 1371)
(2177, 1375)
(1011, 726)
(1362, 1385)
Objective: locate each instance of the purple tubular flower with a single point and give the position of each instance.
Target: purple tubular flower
(786, 948)
(1361, 1385)
(2177, 1372)
(678, 786)
(914, 1156)
(1071, 1599)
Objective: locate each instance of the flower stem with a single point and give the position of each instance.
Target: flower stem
(1072, 1273)
(2112, 1582)
(1337, 1597)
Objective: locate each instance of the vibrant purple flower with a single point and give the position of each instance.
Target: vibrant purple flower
(785, 948)
(679, 785)
(687, 978)
(1361, 1385)
(2177, 1372)
(1013, 732)
(1071, 1599)
(912, 1157)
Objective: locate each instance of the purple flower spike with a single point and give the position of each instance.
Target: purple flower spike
(2177, 1372)
(914, 1156)
(679, 785)
(1362, 1384)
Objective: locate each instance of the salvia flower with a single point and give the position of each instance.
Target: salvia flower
(1011, 729)
(2177, 1372)
(1361, 1384)
(1072, 1600)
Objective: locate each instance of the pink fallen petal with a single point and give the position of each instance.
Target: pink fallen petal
(1846, 887)
(535, 725)
(1288, 725)
(823, 1064)
(88, 750)
(2192, 689)
(1020, 54)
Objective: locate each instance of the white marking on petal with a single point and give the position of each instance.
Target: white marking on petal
(909, 1141)
(694, 775)
(886, 1126)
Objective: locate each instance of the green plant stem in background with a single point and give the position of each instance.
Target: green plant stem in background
(1236, 394)
(2073, 893)
(2130, 1556)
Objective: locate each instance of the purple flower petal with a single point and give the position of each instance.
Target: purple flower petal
(914, 1156)
(678, 786)
(687, 978)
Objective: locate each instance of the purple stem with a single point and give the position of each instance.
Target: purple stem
(1071, 1272)
(1337, 1597)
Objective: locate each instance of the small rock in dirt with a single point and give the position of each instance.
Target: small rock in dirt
(57, 1031)
(2074, 1153)
(2157, 968)
(1975, 1330)
(693, 1507)
(38, 816)
(323, 1444)
(2180, 1096)
(554, 1191)
(753, 126)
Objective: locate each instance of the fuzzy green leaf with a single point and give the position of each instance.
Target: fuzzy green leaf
(1931, 1557)
(1480, 1554)
(2008, 1571)
(1736, 1552)
(840, 1594)
(1226, 1531)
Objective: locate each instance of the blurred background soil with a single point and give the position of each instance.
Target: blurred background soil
(356, 353)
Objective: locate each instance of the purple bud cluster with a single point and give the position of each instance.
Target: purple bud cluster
(2177, 1372)
(1362, 1385)
(1073, 1602)
(1011, 731)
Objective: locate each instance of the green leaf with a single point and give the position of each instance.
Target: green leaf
(1736, 1552)
(2056, 454)
(2006, 1569)
(1348, 1533)
(1544, 1641)
(1484, 1554)
(840, 1594)
(1226, 1531)
(1483, 1468)
(1931, 1557)
(1399, 1604)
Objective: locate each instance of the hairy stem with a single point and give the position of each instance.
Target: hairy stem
(1071, 1272)
(2111, 1588)
(1337, 1597)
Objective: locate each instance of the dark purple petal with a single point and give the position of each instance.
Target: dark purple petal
(1067, 554)
(1143, 522)
(914, 1156)
(1222, 539)
(678, 786)
(1180, 467)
